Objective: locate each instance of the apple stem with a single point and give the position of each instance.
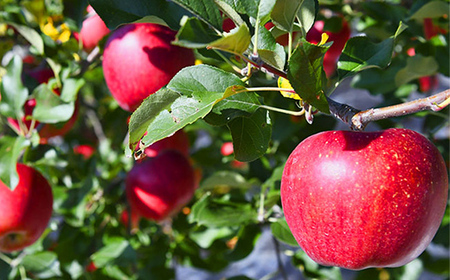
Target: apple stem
(358, 120)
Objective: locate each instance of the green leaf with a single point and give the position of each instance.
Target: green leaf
(206, 237)
(10, 151)
(117, 12)
(281, 231)
(432, 9)
(307, 14)
(42, 264)
(224, 180)
(189, 96)
(237, 41)
(111, 251)
(213, 212)
(31, 35)
(361, 53)
(247, 238)
(233, 106)
(70, 89)
(306, 75)
(203, 78)
(265, 7)
(416, 66)
(50, 108)
(13, 93)
(195, 34)
(251, 135)
(284, 13)
(206, 10)
(268, 49)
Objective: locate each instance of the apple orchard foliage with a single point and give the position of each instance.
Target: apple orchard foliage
(51, 78)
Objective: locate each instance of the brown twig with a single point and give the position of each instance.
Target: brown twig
(358, 120)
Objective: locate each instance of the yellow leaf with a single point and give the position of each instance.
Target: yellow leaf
(284, 84)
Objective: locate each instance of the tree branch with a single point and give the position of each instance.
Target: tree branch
(358, 120)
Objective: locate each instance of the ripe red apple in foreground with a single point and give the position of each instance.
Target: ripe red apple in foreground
(339, 39)
(92, 30)
(139, 59)
(159, 187)
(26, 211)
(364, 199)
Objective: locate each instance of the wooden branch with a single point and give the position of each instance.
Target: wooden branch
(358, 120)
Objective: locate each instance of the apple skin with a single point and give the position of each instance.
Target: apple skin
(26, 211)
(139, 59)
(364, 199)
(159, 187)
(339, 40)
(92, 30)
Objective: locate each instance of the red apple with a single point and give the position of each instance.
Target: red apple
(125, 219)
(91, 267)
(430, 29)
(92, 30)
(178, 141)
(364, 199)
(227, 149)
(159, 187)
(26, 211)
(85, 150)
(283, 39)
(338, 38)
(139, 59)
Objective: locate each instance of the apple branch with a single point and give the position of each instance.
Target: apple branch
(358, 120)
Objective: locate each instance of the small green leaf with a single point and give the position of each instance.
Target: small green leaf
(416, 66)
(307, 14)
(117, 12)
(432, 9)
(213, 212)
(13, 93)
(306, 75)
(361, 53)
(206, 237)
(195, 34)
(206, 10)
(247, 238)
(284, 13)
(251, 135)
(224, 180)
(237, 41)
(10, 150)
(42, 264)
(282, 232)
(31, 35)
(268, 49)
(111, 251)
(70, 89)
(49, 106)
(232, 106)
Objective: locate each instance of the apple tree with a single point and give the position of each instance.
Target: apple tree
(175, 135)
